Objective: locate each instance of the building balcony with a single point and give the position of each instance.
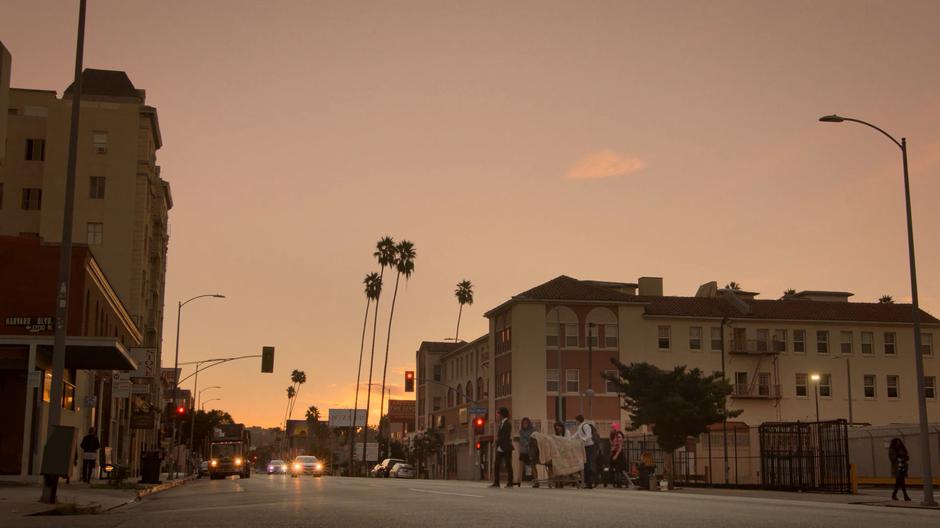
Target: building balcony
(756, 392)
(756, 347)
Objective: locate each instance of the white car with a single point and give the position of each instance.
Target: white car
(277, 466)
(401, 470)
(306, 465)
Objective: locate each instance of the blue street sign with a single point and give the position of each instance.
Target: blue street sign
(477, 410)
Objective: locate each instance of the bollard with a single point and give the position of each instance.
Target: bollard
(853, 479)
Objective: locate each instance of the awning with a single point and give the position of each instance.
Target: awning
(86, 353)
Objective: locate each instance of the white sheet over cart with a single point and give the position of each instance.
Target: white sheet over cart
(566, 455)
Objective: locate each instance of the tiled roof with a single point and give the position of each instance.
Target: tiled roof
(564, 288)
(109, 83)
(786, 309)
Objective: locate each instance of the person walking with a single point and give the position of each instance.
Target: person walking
(503, 449)
(525, 434)
(586, 433)
(90, 446)
(897, 453)
(618, 459)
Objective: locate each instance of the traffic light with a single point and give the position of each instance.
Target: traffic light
(479, 423)
(267, 359)
(478, 446)
(181, 411)
(409, 381)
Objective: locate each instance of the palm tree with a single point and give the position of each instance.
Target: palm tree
(299, 377)
(404, 265)
(464, 293)
(733, 286)
(312, 414)
(789, 292)
(886, 299)
(385, 253)
(290, 398)
(373, 287)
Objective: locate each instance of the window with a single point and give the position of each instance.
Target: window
(801, 390)
(822, 341)
(665, 334)
(100, 140)
(763, 340)
(468, 394)
(592, 334)
(926, 344)
(894, 389)
(480, 395)
(890, 344)
(573, 380)
(571, 335)
(930, 387)
(551, 380)
(868, 339)
(610, 386)
(763, 384)
(437, 373)
(95, 233)
(68, 396)
(450, 397)
(845, 346)
(740, 383)
(780, 340)
(799, 341)
(503, 384)
(35, 150)
(868, 386)
(695, 338)
(437, 403)
(611, 336)
(551, 334)
(96, 187)
(459, 395)
(47, 386)
(32, 199)
(716, 338)
(825, 385)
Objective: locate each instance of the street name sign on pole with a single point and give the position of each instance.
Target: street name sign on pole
(477, 410)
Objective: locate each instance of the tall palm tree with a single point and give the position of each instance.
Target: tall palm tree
(299, 377)
(373, 286)
(404, 265)
(886, 299)
(385, 253)
(290, 398)
(464, 293)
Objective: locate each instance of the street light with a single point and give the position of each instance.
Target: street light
(192, 419)
(815, 378)
(176, 364)
(918, 353)
(203, 405)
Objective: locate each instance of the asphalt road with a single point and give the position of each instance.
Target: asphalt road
(276, 501)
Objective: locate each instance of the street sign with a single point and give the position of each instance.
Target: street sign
(343, 417)
(477, 410)
(121, 385)
(146, 359)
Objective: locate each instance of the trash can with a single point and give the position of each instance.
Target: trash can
(150, 467)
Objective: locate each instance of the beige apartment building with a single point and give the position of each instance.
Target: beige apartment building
(769, 349)
(121, 200)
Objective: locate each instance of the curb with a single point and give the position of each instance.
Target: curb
(150, 491)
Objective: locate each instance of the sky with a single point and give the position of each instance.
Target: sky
(511, 142)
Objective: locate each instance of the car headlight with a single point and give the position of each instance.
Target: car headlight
(214, 463)
(284, 467)
(318, 467)
(297, 467)
(238, 461)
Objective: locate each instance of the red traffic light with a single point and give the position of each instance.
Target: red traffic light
(478, 424)
(181, 410)
(478, 446)
(409, 375)
(409, 381)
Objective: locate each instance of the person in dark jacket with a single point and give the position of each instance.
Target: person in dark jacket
(525, 435)
(90, 446)
(503, 449)
(897, 453)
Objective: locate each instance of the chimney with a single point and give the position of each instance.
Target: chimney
(651, 286)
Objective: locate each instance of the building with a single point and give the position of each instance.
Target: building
(556, 340)
(121, 200)
(5, 70)
(100, 334)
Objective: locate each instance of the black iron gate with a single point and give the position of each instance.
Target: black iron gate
(799, 456)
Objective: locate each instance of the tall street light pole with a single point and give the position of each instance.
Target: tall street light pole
(203, 407)
(50, 482)
(192, 418)
(815, 378)
(176, 364)
(928, 499)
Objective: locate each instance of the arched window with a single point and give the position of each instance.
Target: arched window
(567, 320)
(450, 397)
(480, 396)
(469, 392)
(459, 396)
(605, 333)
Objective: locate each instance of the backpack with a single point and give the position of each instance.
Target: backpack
(596, 438)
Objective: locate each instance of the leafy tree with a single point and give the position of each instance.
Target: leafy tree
(202, 429)
(423, 445)
(373, 288)
(733, 286)
(677, 404)
(404, 265)
(886, 299)
(464, 294)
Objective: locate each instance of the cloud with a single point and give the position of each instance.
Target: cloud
(604, 164)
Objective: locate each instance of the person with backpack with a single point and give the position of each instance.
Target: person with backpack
(587, 433)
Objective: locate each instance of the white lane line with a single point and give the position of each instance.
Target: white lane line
(445, 493)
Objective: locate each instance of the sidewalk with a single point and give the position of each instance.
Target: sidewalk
(865, 496)
(18, 499)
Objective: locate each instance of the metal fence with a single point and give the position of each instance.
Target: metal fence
(800, 456)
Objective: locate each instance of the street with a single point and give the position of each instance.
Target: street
(275, 501)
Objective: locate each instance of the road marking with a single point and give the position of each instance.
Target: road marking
(445, 493)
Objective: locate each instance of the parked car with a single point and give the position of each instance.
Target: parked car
(382, 469)
(277, 466)
(306, 465)
(401, 470)
(203, 469)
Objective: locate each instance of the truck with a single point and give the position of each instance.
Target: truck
(228, 451)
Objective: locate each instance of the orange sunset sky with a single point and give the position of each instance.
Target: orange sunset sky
(511, 142)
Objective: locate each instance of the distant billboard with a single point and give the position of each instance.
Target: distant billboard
(343, 418)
